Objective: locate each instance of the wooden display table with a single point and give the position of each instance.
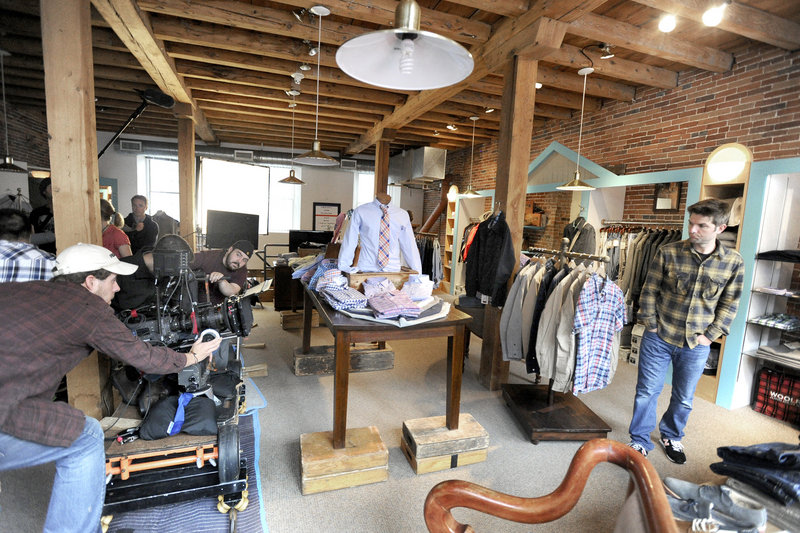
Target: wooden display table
(348, 330)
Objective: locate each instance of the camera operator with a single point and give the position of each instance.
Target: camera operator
(221, 264)
(137, 289)
(49, 327)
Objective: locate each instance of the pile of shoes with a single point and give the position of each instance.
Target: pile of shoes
(714, 508)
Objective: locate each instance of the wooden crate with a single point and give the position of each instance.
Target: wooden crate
(429, 446)
(398, 278)
(363, 460)
(294, 319)
(364, 357)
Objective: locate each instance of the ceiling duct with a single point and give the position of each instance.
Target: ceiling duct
(418, 166)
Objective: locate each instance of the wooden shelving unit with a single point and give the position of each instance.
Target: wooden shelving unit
(449, 231)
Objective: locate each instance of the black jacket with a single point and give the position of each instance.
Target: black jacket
(141, 239)
(491, 260)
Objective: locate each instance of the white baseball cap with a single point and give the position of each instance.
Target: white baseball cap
(84, 257)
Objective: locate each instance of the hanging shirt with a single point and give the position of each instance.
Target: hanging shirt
(600, 313)
(22, 261)
(366, 223)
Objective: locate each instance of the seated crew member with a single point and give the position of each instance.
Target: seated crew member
(49, 327)
(221, 264)
(138, 288)
(19, 259)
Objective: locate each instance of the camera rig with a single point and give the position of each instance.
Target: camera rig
(173, 317)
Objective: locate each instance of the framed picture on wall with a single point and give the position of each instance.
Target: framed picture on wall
(667, 196)
(325, 215)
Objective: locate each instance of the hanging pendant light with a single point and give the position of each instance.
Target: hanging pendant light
(405, 57)
(469, 193)
(576, 184)
(316, 156)
(292, 179)
(8, 162)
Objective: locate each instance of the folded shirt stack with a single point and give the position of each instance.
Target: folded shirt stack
(376, 285)
(393, 304)
(418, 287)
(778, 321)
(343, 298)
(323, 266)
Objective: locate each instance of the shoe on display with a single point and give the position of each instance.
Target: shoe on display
(729, 507)
(674, 450)
(638, 447)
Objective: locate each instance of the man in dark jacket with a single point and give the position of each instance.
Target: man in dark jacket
(49, 327)
(140, 228)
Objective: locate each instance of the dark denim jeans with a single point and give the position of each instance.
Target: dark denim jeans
(768, 455)
(783, 485)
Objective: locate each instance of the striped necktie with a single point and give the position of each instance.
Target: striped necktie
(383, 238)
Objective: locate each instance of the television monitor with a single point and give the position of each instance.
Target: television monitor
(224, 228)
(297, 237)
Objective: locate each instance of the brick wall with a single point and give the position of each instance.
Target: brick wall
(757, 104)
(27, 136)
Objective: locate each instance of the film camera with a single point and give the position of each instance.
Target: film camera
(173, 318)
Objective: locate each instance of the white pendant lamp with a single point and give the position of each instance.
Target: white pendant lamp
(576, 184)
(292, 179)
(404, 57)
(316, 156)
(469, 193)
(8, 162)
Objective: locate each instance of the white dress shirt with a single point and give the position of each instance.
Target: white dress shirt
(366, 222)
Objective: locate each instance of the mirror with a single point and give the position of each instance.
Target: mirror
(667, 196)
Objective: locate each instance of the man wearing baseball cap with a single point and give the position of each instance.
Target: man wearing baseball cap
(226, 270)
(49, 327)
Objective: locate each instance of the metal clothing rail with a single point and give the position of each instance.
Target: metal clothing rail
(605, 222)
(563, 252)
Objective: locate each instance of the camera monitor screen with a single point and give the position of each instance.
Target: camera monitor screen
(224, 228)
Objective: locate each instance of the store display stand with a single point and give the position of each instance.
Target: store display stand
(545, 414)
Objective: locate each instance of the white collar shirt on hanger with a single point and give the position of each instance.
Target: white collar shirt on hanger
(366, 223)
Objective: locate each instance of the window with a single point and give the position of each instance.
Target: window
(284, 200)
(241, 188)
(234, 187)
(364, 188)
(162, 187)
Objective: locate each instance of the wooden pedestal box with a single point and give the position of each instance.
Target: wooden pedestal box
(363, 460)
(364, 357)
(294, 319)
(430, 447)
(398, 278)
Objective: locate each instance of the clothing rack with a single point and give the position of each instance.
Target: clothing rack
(548, 415)
(605, 222)
(427, 234)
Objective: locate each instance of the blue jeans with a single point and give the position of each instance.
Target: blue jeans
(79, 487)
(655, 355)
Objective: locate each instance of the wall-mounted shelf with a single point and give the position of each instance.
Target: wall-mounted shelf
(777, 360)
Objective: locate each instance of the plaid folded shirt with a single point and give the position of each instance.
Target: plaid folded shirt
(778, 321)
(377, 285)
(684, 297)
(393, 304)
(344, 298)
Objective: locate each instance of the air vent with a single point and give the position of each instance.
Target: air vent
(130, 146)
(348, 164)
(243, 155)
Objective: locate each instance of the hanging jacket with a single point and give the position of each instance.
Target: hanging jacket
(490, 261)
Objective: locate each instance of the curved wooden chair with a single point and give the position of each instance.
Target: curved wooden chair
(657, 516)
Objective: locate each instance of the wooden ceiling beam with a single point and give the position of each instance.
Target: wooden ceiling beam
(133, 28)
(651, 42)
(740, 19)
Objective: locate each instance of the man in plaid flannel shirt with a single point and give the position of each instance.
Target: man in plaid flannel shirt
(688, 301)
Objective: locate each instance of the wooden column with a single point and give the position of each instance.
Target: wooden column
(516, 127)
(382, 161)
(69, 89)
(186, 174)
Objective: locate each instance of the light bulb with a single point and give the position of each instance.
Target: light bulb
(298, 76)
(713, 16)
(406, 56)
(667, 23)
(537, 85)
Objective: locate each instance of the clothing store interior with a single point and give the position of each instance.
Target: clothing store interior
(537, 272)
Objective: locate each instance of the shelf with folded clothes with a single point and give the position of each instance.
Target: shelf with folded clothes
(774, 291)
(780, 321)
(787, 361)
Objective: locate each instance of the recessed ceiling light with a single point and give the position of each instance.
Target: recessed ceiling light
(538, 85)
(452, 127)
(489, 110)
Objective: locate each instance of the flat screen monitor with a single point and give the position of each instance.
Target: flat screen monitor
(224, 228)
(297, 237)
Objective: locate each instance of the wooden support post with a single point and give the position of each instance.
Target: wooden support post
(186, 184)
(69, 90)
(382, 161)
